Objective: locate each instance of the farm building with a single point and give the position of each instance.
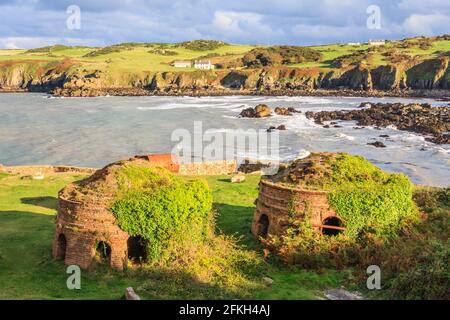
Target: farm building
(182, 64)
(203, 65)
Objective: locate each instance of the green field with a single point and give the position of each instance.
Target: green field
(27, 213)
(138, 58)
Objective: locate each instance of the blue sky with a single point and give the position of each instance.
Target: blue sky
(33, 23)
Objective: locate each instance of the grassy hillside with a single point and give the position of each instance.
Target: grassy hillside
(132, 58)
(138, 57)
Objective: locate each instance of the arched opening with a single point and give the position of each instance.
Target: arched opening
(263, 226)
(137, 250)
(332, 226)
(103, 252)
(61, 246)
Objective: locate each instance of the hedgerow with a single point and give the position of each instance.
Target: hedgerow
(161, 208)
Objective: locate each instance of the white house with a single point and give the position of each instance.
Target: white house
(377, 42)
(182, 64)
(203, 65)
(354, 43)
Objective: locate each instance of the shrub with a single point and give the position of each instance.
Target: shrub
(162, 208)
(280, 55)
(201, 45)
(49, 49)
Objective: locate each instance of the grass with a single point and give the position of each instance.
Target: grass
(27, 212)
(133, 60)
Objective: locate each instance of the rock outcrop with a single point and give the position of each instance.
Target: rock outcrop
(68, 78)
(260, 111)
(420, 118)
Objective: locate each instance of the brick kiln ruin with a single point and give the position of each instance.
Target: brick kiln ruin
(85, 228)
(278, 202)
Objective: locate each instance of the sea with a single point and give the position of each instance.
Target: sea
(37, 129)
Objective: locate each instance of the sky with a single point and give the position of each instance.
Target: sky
(35, 23)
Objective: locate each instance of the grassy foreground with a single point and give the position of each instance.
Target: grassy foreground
(27, 270)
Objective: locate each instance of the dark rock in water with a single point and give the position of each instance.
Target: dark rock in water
(384, 136)
(365, 105)
(260, 111)
(280, 127)
(337, 126)
(333, 123)
(326, 126)
(377, 144)
(283, 111)
(358, 128)
(413, 117)
(293, 110)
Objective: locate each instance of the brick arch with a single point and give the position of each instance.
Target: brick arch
(83, 224)
(60, 248)
(263, 226)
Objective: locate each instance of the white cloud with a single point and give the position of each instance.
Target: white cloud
(425, 24)
(242, 24)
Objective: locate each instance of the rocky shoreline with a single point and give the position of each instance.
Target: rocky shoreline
(432, 122)
(435, 94)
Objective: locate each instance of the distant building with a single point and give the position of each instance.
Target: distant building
(203, 65)
(182, 64)
(377, 42)
(354, 43)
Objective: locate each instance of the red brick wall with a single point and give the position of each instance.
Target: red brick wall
(84, 226)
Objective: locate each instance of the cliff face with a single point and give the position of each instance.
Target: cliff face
(66, 78)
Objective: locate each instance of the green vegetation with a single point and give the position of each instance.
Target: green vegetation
(277, 55)
(162, 208)
(128, 64)
(230, 265)
(383, 226)
(367, 199)
(202, 45)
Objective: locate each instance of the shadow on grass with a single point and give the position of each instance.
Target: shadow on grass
(45, 202)
(237, 221)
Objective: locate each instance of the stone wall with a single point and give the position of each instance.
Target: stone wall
(209, 168)
(33, 170)
(276, 202)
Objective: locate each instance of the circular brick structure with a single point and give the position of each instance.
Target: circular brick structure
(85, 228)
(80, 229)
(277, 203)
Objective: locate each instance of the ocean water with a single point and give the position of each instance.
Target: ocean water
(40, 129)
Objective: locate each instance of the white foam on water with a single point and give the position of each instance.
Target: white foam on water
(345, 136)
